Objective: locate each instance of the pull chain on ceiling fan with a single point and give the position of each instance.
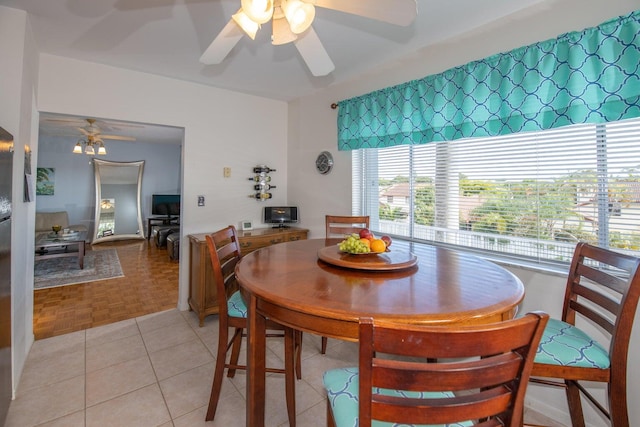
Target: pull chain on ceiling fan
(291, 22)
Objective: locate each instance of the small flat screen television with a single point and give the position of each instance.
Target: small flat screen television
(280, 216)
(165, 205)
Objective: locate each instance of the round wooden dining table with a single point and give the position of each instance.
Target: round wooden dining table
(290, 284)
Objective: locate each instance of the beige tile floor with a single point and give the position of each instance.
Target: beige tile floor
(156, 370)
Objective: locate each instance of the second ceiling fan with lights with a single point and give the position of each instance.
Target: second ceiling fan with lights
(291, 22)
(94, 139)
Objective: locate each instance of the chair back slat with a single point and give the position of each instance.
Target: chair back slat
(481, 371)
(341, 226)
(438, 411)
(594, 316)
(462, 341)
(415, 376)
(604, 278)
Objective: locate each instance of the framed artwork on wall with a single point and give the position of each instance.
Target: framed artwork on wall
(29, 194)
(45, 181)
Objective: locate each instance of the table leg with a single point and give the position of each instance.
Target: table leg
(256, 353)
(81, 254)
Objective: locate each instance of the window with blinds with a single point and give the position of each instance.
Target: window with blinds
(530, 196)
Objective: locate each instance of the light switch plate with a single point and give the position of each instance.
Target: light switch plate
(226, 172)
(200, 200)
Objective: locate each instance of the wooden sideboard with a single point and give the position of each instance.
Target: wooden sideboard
(203, 298)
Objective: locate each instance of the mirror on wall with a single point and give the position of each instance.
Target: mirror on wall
(118, 188)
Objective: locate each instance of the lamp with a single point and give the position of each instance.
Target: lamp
(105, 204)
(247, 24)
(259, 11)
(89, 148)
(296, 13)
(299, 14)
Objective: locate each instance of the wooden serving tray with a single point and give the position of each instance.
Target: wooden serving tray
(386, 261)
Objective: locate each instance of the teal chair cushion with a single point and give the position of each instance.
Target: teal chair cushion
(342, 392)
(236, 306)
(564, 344)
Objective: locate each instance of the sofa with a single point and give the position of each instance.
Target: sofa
(46, 220)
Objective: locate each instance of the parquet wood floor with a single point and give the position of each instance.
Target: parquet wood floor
(149, 285)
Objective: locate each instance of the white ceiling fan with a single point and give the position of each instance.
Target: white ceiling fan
(291, 22)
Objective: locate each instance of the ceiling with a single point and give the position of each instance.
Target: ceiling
(167, 37)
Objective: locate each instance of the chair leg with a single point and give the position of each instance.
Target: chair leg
(323, 350)
(618, 399)
(218, 374)
(235, 351)
(575, 405)
(290, 337)
(330, 421)
(298, 353)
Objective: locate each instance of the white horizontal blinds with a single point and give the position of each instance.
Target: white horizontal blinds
(357, 174)
(395, 192)
(622, 142)
(518, 190)
(530, 195)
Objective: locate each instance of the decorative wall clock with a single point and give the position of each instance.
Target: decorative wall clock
(324, 162)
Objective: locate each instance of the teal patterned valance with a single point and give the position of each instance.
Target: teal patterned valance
(591, 76)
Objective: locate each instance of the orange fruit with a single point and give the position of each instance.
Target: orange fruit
(367, 242)
(378, 246)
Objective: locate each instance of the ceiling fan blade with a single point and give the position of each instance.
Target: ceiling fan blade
(116, 137)
(314, 53)
(75, 121)
(222, 44)
(398, 12)
(84, 131)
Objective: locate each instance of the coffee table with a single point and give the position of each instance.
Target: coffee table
(52, 245)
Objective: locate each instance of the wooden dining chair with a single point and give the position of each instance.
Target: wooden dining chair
(602, 290)
(341, 226)
(480, 373)
(224, 251)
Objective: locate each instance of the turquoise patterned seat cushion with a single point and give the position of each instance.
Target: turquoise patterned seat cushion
(564, 344)
(342, 392)
(236, 305)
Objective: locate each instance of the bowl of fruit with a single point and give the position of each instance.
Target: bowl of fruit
(364, 242)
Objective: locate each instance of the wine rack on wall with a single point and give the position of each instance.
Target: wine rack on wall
(262, 183)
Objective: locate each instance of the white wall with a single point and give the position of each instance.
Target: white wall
(18, 72)
(312, 129)
(74, 176)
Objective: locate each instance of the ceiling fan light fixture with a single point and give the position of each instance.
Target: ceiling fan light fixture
(101, 149)
(259, 11)
(249, 26)
(78, 148)
(299, 15)
(282, 32)
(89, 151)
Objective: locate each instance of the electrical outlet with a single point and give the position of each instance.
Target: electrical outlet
(200, 200)
(226, 172)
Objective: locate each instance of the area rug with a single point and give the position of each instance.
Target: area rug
(98, 265)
